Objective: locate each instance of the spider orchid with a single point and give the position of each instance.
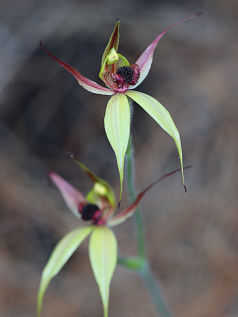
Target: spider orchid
(97, 210)
(120, 78)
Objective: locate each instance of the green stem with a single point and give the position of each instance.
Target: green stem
(130, 262)
(132, 196)
(140, 263)
(155, 291)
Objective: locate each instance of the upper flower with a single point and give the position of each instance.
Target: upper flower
(120, 78)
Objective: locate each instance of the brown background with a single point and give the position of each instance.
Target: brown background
(192, 239)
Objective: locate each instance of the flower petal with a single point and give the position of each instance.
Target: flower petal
(71, 195)
(101, 187)
(117, 127)
(129, 211)
(86, 83)
(161, 116)
(145, 60)
(60, 255)
(103, 258)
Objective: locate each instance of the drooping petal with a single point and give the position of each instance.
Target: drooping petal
(129, 211)
(161, 116)
(101, 187)
(60, 255)
(117, 127)
(103, 258)
(86, 83)
(71, 195)
(145, 60)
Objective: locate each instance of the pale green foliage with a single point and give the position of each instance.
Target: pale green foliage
(60, 255)
(117, 127)
(103, 257)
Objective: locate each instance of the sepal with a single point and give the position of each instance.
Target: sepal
(101, 187)
(86, 83)
(161, 115)
(110, 56)
(145, 60)
(117, 126)
(103, 258)
(60, 255)
(130, 210)
(113, 42)
(72, 197)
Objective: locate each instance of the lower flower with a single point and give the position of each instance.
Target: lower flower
(97, 210)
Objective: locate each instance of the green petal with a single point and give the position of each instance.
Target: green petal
(60, 255)
(161, 116)
(117, 127)
(103, 258)
(101, 187)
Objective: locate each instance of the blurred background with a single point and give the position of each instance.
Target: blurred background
(192, 239)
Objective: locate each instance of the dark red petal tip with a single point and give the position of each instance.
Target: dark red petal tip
(119, 204)
(185, 189)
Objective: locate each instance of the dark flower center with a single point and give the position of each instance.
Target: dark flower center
(88, 211)
(127, 73)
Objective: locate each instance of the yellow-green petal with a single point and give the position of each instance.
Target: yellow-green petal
(103, 258)
(117, 127)
(60, 255)
(161, 115)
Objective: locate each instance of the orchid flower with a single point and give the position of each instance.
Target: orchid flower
(97, 210)
(121, 77)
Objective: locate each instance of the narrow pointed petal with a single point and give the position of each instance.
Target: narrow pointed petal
(101, 188)
(117, 127)
(86, 83)
(145, 60)
(71, 195)
(129, 211)
(161, 116)
(103, 258)
(113, 41)
(60, 255)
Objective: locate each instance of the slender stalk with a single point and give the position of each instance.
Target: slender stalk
(155, 291)
(140, 264)
(132, 196)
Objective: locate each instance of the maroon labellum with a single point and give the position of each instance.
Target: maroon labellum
(126, 75)
(91, 212)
